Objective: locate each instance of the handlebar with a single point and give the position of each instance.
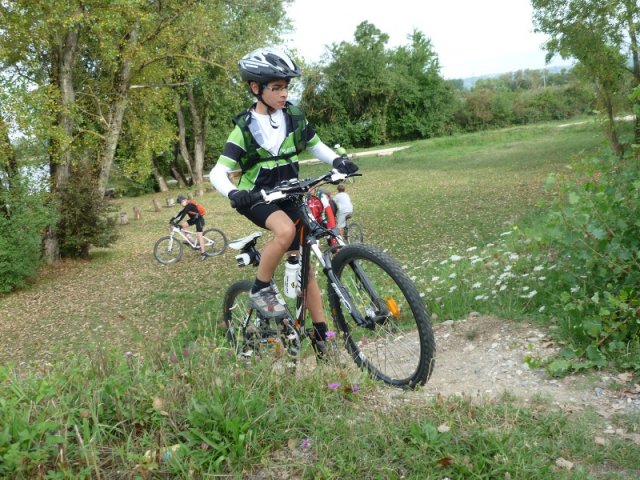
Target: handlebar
(296, 187)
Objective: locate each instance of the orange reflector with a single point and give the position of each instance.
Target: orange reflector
(393, 307)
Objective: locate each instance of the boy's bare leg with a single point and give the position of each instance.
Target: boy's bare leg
(283, 231)
(201, 241)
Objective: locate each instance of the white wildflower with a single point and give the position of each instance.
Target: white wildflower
(503, 288)
(541, 309)
(455, 258)
(472, 249)
(476, 285)
(538, 268)
(444, 262)
(453, 275)
(453, 288)
(513, 256)
(575, 289)
(435, 279)
(503, 234)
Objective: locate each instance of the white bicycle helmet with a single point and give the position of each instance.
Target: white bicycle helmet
(265, 64)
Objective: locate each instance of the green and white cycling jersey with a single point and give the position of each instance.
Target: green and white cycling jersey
(260, 167)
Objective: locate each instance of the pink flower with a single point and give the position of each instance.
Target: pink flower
(331, 334)
(355, 389)
(334, 386)
(306, 443)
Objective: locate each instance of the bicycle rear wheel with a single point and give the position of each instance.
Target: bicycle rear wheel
(398, 346)
(167, 250)
(251, 335)
(215, 241)
(354, 233)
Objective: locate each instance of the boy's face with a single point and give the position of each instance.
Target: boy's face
(275, 93)
(183, 203)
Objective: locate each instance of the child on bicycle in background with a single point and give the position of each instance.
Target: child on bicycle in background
(344, 207)
(265, 144)
(193, 210)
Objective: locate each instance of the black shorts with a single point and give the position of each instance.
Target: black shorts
(198, 222)
(258, 214)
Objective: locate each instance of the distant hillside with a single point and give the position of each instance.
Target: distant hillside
(471, 81)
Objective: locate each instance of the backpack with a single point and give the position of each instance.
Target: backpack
(201, 210)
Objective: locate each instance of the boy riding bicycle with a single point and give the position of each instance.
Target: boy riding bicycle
(196, 217)
(265, 144)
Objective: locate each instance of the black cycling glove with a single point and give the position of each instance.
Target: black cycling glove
(344, 165)
(240, 198)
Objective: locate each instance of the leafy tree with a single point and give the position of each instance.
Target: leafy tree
(602, 36)
(368, 95)
(421, 102)
(76, 64)
(352, 93)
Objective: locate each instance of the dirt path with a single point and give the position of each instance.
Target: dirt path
(483, 357)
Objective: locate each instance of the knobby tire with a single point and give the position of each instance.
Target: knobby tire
(399, 348)
(167, 251)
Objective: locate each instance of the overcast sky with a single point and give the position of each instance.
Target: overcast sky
(470, 37)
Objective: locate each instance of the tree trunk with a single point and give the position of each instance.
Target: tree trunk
(60, 159)
(175, 167)
(162, 183)
(182, 137)
(630, 8)
(118, 107)
(199, 132)
(610, 126)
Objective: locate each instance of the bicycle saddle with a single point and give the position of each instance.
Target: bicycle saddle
(244, 241)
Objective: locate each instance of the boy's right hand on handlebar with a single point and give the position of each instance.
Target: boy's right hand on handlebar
(240, 198)
(344, 165)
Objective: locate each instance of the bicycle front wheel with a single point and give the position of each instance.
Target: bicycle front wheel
(215, 241)
(252, 336)
(397, 344)
(167, 250)
(354, 233)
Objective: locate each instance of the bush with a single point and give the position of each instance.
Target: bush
(23, 217)
(84, 217)
(593, 233)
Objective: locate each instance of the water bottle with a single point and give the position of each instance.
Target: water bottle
(291, 269)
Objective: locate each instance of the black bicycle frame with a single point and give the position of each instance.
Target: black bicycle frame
(309, 231)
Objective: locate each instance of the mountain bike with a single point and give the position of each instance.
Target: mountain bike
(380, 317)
(169, 249)
(353, 231)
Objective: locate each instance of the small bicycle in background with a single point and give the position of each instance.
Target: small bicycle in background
(169, 249)
(353, 231)
(378, 312)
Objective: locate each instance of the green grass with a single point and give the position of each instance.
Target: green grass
(116, 359)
